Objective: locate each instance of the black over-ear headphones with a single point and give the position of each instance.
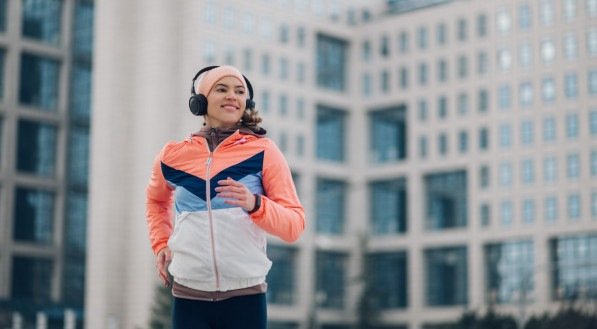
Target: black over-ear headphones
(198, 102)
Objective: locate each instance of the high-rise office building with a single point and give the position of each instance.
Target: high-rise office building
(445, 151)
(45, 99)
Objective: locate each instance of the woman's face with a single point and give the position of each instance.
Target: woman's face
(226, 103)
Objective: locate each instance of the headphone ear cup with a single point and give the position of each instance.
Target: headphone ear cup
(250, 104)
(198, 104)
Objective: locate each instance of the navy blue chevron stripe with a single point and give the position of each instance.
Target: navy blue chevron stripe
(196, 186)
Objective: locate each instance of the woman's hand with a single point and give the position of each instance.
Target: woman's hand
(163, 259)
(236, 194)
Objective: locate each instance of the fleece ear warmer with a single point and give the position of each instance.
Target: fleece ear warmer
(209, 78)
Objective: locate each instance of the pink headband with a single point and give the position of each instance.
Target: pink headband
(209, 78)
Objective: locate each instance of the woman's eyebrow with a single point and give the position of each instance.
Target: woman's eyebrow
(228, 86)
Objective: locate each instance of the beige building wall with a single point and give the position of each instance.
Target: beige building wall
(147, 51)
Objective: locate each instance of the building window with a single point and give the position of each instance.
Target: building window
(548, 51)
(593, 123)
(463, 141)
(423, 109)
(265, 65)
(592, 8)
(442, 144)
(570, 46)
(506, 213)
(442, 70)
(572, 126)
(526, 132)
(283, 105)
(36, 148)
(528, 172)
(387, 275)
(446, 200)
(510, 271)
(505, 136)
(330, 206)
(547, 12)
(526, 94)
(388, 207)
(366, 50)
(484, 177)
(422, 37)
(505, 174)
(592, 82)
(528, 211)
(422, 147)
(78, 156)
(483, 100)
(330, 134)
(442, 107)
(42, 20)
(573, 262)
(594, 163)
(574, 206)
(384, 48)
(300, 37)
(462, 67)
(331, 269)
(524, 15)
(31, 280)
(385, 81)
(573, 166)
(39, 82)
(446, 276)
(283, 64)
(504, 59)
(284, 35)
(3, 11)
(403, 78)
(503, 21)
(592, 42)
(504, 97)
(482, 25)
(548, 90)
(551, 209)
(422, 74)
(462, 30)
(301, 71)
(525, 55)
(34, 216)
(485, 215)
(388, 134)
(367, 87)
(571, 85)
(550, 169)
(247, 59)
(482, 63)
(403, 42)
(281, 278)
(462, 104)
(570, 10)
(594, 205)
(331, 62)
(442, 34)
(549, 129)
(483, 139)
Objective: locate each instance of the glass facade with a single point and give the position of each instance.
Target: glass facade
(330, 129)
(331, 62)
(331, 279)
(446, 276)
(389, 207)
(446, 200)
(387, 275)
(42, 20)
(281, 277)
(36, 151)
(574, 267)
(330, 206)
(39, 82)
(509, 268)
(34, 216)
(388, 134)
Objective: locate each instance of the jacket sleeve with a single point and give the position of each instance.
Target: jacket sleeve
(159, 206)
(281, 212)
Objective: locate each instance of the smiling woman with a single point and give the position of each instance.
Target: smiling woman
(231, 186)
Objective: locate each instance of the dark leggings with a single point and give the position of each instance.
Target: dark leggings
(243, 312)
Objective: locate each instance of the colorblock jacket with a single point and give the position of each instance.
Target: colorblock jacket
(216, 246)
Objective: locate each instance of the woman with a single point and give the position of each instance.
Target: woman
(230, 186)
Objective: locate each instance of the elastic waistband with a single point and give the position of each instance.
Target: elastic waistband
(225, 284)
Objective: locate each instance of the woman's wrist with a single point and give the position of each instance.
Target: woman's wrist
(257, 203)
